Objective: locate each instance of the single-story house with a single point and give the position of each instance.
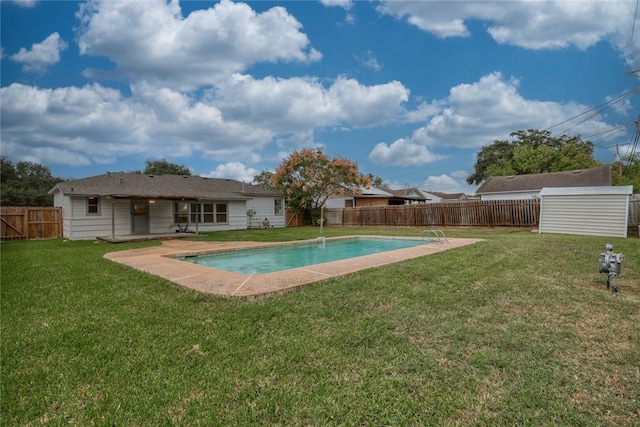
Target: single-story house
(517, 187)
(374, 196)
(589, 211)
(121, 204)
(439, 197)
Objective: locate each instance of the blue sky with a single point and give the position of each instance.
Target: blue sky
(410, 91)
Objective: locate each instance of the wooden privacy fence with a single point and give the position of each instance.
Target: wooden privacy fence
(634, 216)
(24, 223)
(492, 213)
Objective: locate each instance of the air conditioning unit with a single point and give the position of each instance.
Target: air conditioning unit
(251, 212)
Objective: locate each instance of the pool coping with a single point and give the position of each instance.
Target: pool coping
(160, 261)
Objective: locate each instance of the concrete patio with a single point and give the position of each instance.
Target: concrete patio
(160, 261)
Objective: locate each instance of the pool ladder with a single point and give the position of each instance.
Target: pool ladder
(434, 236)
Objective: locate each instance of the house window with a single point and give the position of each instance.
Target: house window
(93, 206)
(207, 212)
(202, 213)
(277, 207)
(194, 213)
(221, 213)
(181, 213)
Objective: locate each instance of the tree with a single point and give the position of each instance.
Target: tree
(532, 151)
(264, 180)
(630, 172)
(25, 184)
(309, 177)
(164, 167)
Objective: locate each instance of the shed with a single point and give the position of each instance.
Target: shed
(590, 211)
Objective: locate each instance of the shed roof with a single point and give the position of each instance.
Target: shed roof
(578, 191)
(134, 185)
(599, 176)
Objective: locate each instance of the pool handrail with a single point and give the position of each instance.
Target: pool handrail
(438, 235)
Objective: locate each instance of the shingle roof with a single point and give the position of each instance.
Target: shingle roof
(448, 196)
(132, 185)
(535, 182)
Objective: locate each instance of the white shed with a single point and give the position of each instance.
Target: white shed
(590, 211)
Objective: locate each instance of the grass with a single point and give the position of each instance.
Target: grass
(516, 330)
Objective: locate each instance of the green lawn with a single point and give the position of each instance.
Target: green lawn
(516, 330)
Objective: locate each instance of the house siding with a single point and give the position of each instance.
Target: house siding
(77, 225)
(585, 214)
(264, 207)
(161, 217)
(366, 202)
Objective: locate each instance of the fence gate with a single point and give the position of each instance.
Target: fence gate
(24, 223)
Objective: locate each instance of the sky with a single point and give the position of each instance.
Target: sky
(411, 91)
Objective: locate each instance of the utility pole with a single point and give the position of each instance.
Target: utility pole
(618, 158)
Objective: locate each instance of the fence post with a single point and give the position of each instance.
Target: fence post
(25, 223)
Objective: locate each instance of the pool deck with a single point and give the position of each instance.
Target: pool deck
(159, 262)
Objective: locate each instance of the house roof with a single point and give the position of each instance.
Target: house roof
(175, 187)
(535, 182)
(372, 192)
(410, 193)
(448, 196)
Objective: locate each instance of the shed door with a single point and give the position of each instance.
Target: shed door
(139, 217)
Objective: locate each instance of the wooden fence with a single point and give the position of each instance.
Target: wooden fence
(24, 223)
(493, 213)
(634, 216)
(502, 213)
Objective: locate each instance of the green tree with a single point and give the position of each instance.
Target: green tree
(532, 151)
(264, 180)
(164, 167)
(25, 184)
(309, 177)
(630, 172)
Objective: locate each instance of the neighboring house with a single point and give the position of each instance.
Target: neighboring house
(405, 196)
(374, 196)
(120, 204)
(515, 187)
(449, 197)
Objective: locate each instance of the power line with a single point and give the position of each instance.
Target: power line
(634, 146)
(597, 110)
(610, 130)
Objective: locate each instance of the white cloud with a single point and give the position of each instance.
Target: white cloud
(234, 121)
(402, 153)
(528, 24)
(362, 105)
(102, 125)
(476, 114)
(151, 40)
(369, 60)
(345, 4)
(26, 3)
(621, 106)
(299, 104)
(41, 54)
(453, 183)
(233, 170)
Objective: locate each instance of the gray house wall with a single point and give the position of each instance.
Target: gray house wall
(115, 217)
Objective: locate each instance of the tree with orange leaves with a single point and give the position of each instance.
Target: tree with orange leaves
(309, 177)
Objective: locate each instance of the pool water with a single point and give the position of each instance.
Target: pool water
(277, 258)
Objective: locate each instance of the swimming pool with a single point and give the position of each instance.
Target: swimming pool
(285, 257)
